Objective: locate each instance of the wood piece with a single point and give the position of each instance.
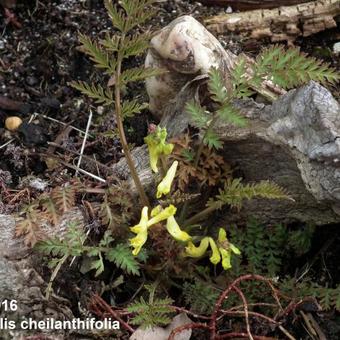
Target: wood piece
(13, 105)
(244, 5)
(280, 24)
(292, 142)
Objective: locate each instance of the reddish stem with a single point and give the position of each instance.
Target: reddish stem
(194, 325)
(99, 304)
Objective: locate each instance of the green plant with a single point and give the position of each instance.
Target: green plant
(200, 296)
(73, 245)
(108, 54)
(328, 298)
(151, 313)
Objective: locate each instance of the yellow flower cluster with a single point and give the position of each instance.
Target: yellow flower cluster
(158, 214)
(157, 145)
(222, 249)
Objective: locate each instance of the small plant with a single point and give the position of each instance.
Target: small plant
(109, 54)
(73, 245)
(153, 312)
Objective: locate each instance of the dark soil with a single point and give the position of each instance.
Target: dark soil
(38, 60)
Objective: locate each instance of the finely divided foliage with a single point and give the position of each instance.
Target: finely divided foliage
(108, 52)
(286, 68)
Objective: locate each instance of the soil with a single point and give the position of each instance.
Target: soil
(39, 59)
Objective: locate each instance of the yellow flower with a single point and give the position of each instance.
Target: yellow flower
(216, 257)
(141, 229)
(175, 231)
(226, 257)
(164, 186)
(162, 215)
(138, 241)
(156, 210)
(192, 251)
(156, 142)
(226, 249)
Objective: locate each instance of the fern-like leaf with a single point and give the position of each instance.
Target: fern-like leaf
(151, 314)
(239, 80)
(198, 115)
(200, 296)
(97, 265)
(235, 192)
(139, 73)
(28, 225)
(211, 140)
(230, 115)
(101, 58)
(134, 8)
(122, 257)
(111, 42)
(292, 68)
(50, 210)
(101, 96)
(130, 108)
(116, 15)
(64, 198)
(216, 86)
(135, 44)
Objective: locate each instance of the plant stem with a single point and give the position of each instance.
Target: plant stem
(197, 158)
(202, 214)
(201, 146)
(122, 137)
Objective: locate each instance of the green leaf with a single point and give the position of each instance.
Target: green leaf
(97, 55)
(216, 86)
(101, 96)
(230, 115)
(98, 265)
(111, 42)
(122, 257)
(135, 45)
(116, 15)
(239, 80)
(292, 68)
(130, 108)
(198, 114)
(139, 73)
(212, 140)
(200, 296)
(151, 314)
(235, 192)
(189, 155)
(135, 8)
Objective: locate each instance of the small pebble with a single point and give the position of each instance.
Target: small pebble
(13, 123)
(31, 81)
(100, 110)
(336, 48)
